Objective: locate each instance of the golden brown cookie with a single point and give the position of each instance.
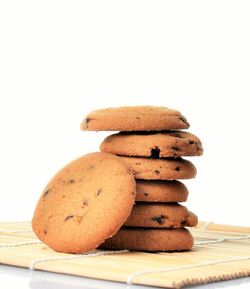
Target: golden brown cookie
(155, 215)
(134, 118)
(160, 191)
(144, 239)
(85, 203)
(160, 169)
(153, 144)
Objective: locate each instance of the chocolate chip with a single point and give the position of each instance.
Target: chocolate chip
(85, 202)
(98, 192)
(138, 117)
(175, 149)
(176, 134)
(146, 194)
(46, 193)
(68, 218)
(155, 153)
(177, 169)
(133, 193)
(71, 181)
(45, 232)
(183, 119)
(157, 172)
(191, 142)
(183, 223)
(159, 219)
(86, 121)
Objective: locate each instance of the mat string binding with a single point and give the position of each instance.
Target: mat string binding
(197, 243)
(205, 226)
(15, 231)
(210, 242)
(131, 277)
(20, 244)
(34, 262)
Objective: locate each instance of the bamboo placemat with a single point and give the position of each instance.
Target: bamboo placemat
(220, 253)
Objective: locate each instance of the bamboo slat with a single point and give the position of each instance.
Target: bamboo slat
(221, 252)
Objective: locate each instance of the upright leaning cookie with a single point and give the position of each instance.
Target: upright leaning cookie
(145, 239)
(85, 203)
(160, 169)
(134, 118)
(153, 144)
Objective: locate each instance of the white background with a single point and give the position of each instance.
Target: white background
(61, 59)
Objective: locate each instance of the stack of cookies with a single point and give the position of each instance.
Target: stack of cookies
(126, 196)
(151, 142)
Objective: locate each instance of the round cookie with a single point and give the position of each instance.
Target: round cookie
(153, 215)
(160, 191)
(160, 169)
(134, 118)
(144, 239)
(153, 144)
(85, 203)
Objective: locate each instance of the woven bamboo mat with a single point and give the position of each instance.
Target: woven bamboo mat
(220, 253)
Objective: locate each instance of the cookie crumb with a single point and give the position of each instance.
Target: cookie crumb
(79, 219)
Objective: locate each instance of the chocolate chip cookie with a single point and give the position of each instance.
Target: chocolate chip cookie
(159, 215)
(153, 144)
(134, 118)
(160, 169)
(85, 203)
(160, 191)
(145, 239)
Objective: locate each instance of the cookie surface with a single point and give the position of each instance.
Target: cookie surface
(85, 203)
(134, 118)
(160, 169)
(156, 144)
(160, 191)
(155, 215)
(143, 239)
